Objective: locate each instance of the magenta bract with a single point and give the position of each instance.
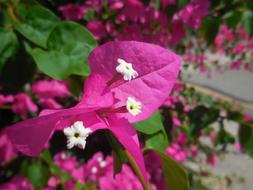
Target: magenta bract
(157, 68)
(103, 105)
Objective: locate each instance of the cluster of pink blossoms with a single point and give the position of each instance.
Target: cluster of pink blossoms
(17, 183)
(134, 20)
(22, 104)
(237, 45)
(97, 171)
(232, 50)
(46, 91)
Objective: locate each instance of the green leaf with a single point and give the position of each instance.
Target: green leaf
(38, 175)
(249, 4)
(54, 169)
(156, 4)
(69, 45)
(89, 15)
(8, 46)
(233, 18)
(150, 126)
(201, 117)
(52, 63)
(181, 3)
(46, 156)
(247, 21)
(80, 186)
(157, 141)
(156, 137)
(246, 138)
(70, 32)
(235, 115)
(35, 23)
(175, 176)
(210, 28)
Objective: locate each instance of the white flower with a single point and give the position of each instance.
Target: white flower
(102, 164)
(133, 106)
(94, 170)
(76, 135)
(126, 69)
(99, 159)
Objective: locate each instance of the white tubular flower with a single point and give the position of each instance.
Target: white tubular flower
(133, 106)
(126, 69)
(76, 135)
(102, 164)
(94, 170)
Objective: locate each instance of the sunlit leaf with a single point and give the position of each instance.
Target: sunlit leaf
(69, 45)
(35, 23)
(175, 176)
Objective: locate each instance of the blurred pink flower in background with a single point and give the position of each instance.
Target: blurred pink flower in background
(238, 147)
(176, 122)
(165, 3)
(219, 39)
(72, 11)
(227, 32)
(66, 163)
(212, 136)
(133, 10)
(187, 108)
(154, 167)
(236, 65)
(49, 103)
(126, 179)
(54, 181)
(115, 5)
(247, 117)
(181, 138)
(97, 28)
(178, 31)
(69, 185)
(97, 166)
(7, 151)
(194, 150)
(193, 13)
(131, 32)
(174, 151)
(212, 159)
(6, 99)
(17, 183)
(23, 104)
(239, 48)
(50, 89)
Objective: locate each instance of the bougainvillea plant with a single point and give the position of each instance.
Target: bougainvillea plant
(107, 117)
(128, 82)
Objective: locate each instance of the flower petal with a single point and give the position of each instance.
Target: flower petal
(127, 136)
(95, 93)
(30, 136)
(157, 69)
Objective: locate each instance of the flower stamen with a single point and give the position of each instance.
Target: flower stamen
(126, 69)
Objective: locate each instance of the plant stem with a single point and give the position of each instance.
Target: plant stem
(146, 185)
